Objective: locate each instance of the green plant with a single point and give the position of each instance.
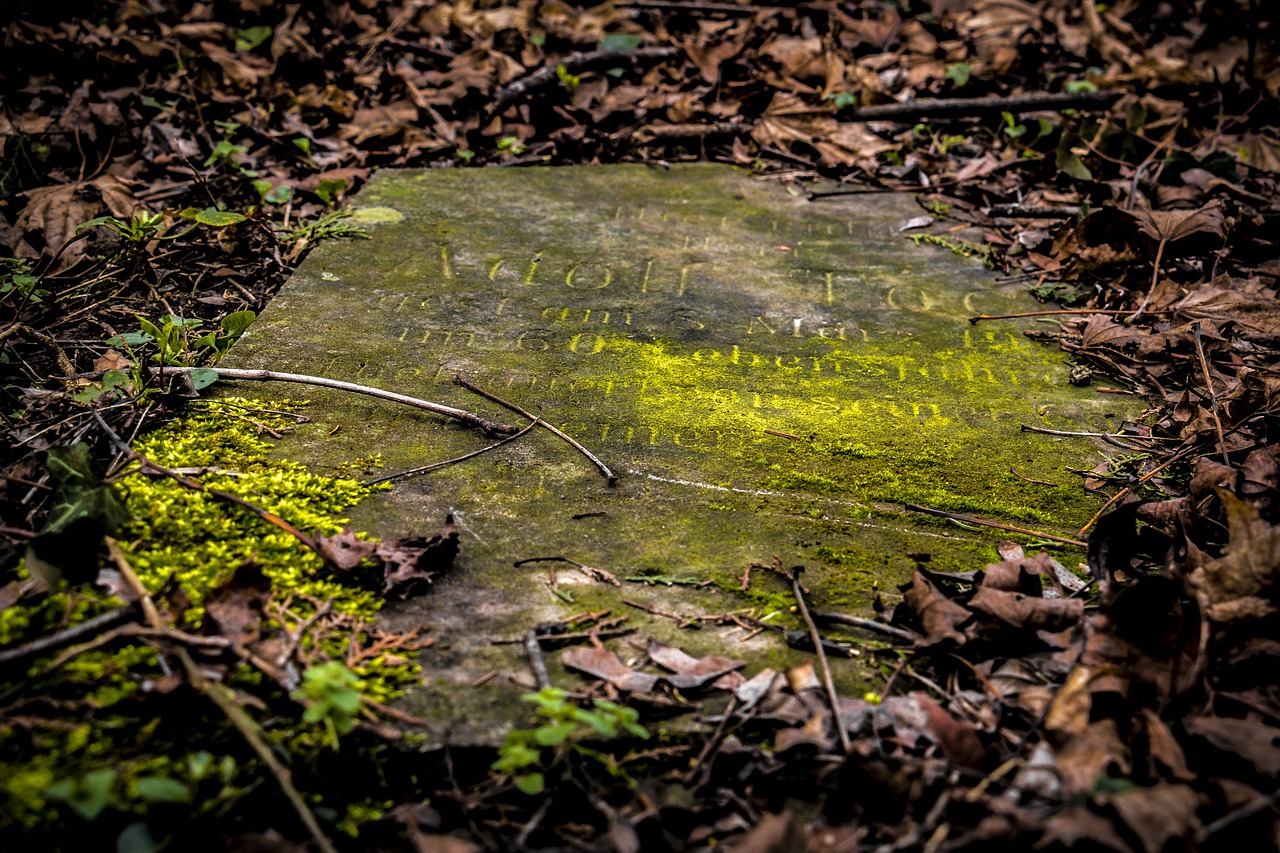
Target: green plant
(840, 100)
(304, 145)
(142, 228)
(521, 753)
(182, 342)
(251, 37)
(273, 194)
(570, 80)
(512, 144)
(212, 216)
(17, 285)
(959, 73)
(88, 795)
(225, 153)
(329, 189)
(331, 225)
(331, 693)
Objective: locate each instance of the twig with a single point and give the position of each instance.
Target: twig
(1028, 211)
(942, 513)
(832, 698)
(1213, 396)
(218, 694)
(604, 469)
(868, 625)
(1076, 434)
(1131, 486)
(651, 132)
(522, 837)
(571, 63)
(590, 571)
(236, 374)
(463, 458)
(1053, 312)
(69, 635)
(911, 112)
(714, 742)
(533, 648)
(1026, 479)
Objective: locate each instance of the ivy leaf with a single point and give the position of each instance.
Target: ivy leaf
(87, 796)
(531, 783)
(161, 789)
(79, 493)
(202, 378)
(212, 217)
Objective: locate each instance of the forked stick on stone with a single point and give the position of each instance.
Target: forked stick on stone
(466, 417)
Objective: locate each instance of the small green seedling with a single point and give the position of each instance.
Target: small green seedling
(330, 189)
(520, 755)
(272, 194)
(331, 693)
(181, 342)
(17, 285)
(142, 228)
(512, 144)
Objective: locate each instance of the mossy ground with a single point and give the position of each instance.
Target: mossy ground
(108, 714)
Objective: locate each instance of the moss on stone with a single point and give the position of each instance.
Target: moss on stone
(197, 541)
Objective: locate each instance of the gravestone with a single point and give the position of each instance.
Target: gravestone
(767, 376)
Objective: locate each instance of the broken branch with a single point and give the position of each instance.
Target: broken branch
(236, 374)
(911, 112)
(572, 63)
(604, 469)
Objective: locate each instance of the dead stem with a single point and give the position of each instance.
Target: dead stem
(798, 591)
(1049, 313)
(464, 457)
(1213, 396)
(942, 513)
(217, 693)
(868, 625)
(590, 571)
(604, 469)
(236, 374)
(533, 648)
(1130, 487)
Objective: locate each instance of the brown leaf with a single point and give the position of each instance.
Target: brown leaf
(344, 551)
(1173, 225)
(689, 671)
(410, 564)
(111, 360)
(236, 609)
(776, 833)
(1222, 746)
(1163, 817)
(379, 122)
(1078, 827)
(957, 739)
(242, 70)
(604, 664)
(939, 616)
(54, 213)
(1251, 562)
(1025, 612)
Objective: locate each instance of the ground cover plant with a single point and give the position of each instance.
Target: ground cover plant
(189, 651)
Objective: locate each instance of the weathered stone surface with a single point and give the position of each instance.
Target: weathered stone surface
(768, 376)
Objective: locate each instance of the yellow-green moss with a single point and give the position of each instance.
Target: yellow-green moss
(199, 541)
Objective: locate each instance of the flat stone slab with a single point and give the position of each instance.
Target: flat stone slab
(768, 376)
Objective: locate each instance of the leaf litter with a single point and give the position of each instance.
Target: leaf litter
(1136, 713)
